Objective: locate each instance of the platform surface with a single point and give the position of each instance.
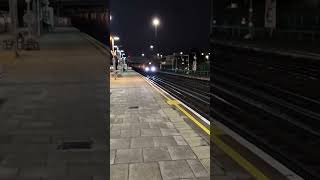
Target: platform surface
(49, 97)
(149, 138)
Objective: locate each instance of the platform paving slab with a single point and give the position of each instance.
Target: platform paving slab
(175, 169)
(119, 171)
(144, 171)
(152, 132)
(181, 152)
(142, 142)
(197, 168)
(128, 156)
(156, 154)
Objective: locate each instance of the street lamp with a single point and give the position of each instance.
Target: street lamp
(156, 23)
(142, 54)
(151, 47)
(121, 52)
(113, 39)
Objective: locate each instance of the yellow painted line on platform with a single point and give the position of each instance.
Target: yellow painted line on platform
(251, 169)
(256, 173)
(177, 104)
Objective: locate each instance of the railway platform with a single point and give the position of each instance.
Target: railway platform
(151, 139)
(53, 108)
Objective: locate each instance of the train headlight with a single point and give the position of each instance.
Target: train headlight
(147, 69)
(153, 69)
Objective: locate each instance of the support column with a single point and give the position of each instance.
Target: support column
(13, 8)
(38, 18)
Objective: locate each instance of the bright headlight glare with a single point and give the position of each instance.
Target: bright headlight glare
(153, 69)
(147, 69)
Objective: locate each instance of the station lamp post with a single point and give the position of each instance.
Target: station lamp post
(121, 52)
(29, 17)
(250, 19)
(151, 49)
(113, 39)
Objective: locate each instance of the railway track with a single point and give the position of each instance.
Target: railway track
(274, 103)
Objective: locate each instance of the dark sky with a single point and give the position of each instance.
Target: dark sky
(184, 24)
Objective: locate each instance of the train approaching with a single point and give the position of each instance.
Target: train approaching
(148, 68)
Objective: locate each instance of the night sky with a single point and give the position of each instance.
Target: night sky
(184, 24)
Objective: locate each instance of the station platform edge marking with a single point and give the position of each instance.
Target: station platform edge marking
(251, 169)
(177, 105)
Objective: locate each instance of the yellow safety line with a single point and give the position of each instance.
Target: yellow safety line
(239, 159)
(176, 104)
(223, 146)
